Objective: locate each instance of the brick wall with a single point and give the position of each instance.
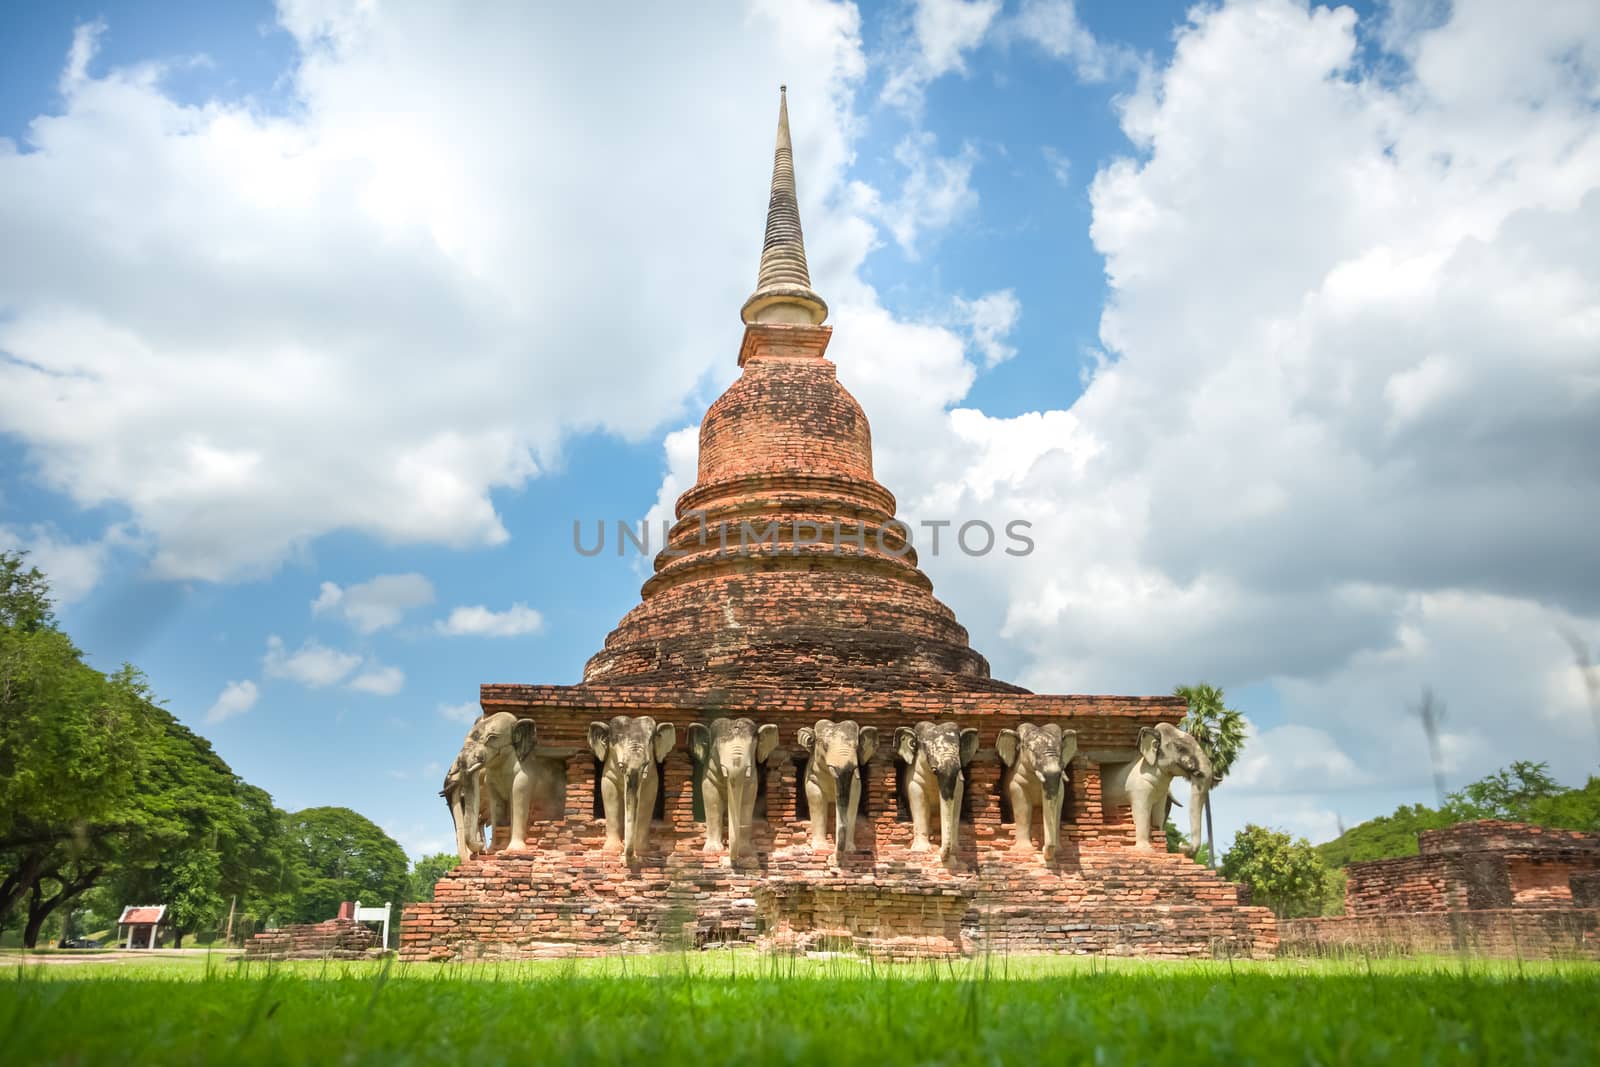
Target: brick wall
(1501, 932)
(1495, 835)
(892, 904)
(1479, 866)
(332, 939)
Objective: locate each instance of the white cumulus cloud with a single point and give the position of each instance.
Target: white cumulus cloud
(941, 32)
(378, 680)
(313, 664)
(990, 319)
(377, 604)
(479, 621)
(1054, 26)
(236, 698)
(252, 326)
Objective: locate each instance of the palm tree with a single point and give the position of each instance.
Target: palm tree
(1220, 732)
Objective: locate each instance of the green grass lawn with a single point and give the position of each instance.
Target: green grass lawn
(737, 1008)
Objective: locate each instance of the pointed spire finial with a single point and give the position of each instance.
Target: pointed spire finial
(783, 286)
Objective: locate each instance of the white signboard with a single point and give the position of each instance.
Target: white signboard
(375, 915)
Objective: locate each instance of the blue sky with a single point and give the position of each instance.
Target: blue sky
(1220, 303)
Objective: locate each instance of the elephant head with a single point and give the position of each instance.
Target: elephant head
(628, 749)
(496, 758)
(936, 756)
(1038, 758)
(838, 750)
(463, 795)
(727, 754)
(1176, 754)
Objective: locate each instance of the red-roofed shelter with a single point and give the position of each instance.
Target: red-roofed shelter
(143, 923)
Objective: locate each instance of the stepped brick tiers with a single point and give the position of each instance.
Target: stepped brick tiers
(1488, 887)
(790, 741)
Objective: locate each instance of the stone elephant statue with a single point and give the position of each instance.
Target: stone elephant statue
(1165, 753)
(727, 754)
(494, 769)
(1038, 758)
(628, 748)
(838, 752)
(936, 756)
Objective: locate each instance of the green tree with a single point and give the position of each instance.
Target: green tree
(188, 887)
(427, 872)
(1283, 874)
(184, 813)
(1511, 793)
(1571, 809)
(1220, 732)
(343, 856)
(67, 767)
(97, 782)
(1384, 837)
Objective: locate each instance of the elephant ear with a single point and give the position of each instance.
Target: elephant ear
(766, 741)
(1069, 745)
(866, 744)
(666, 737)
(523, 735)
(1149, 744)
(905, 743)
(806, 737)
(1006, 746)
(700, 742)
(969, 745)
(599, 740)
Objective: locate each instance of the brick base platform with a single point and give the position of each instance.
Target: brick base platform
(332, 939)
(893, 905)
(1529, 933)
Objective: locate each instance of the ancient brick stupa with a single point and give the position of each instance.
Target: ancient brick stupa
(822, 614)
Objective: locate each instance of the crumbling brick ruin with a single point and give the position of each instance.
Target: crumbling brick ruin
(1487, 887)
(331, 939)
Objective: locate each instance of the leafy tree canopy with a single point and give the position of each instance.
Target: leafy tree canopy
(341, 856)
(1522, 792)
(1283, 874)
(428, 871)
(1219, 729)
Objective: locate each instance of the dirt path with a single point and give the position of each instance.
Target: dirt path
(68, 957)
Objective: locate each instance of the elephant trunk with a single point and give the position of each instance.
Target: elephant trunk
(1199, 790)
(741, 808)
(472, 810)
(844, 811)
(949, 817)
(1053, 795)
(630, 812)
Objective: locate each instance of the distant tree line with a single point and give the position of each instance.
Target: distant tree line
(106, 799)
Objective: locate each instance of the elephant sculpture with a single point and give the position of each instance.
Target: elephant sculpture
(496, 765)
(838, 751)
(936, 756)
(1038, 758)
(1165, 752)
(727, 754)
(628, 749)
